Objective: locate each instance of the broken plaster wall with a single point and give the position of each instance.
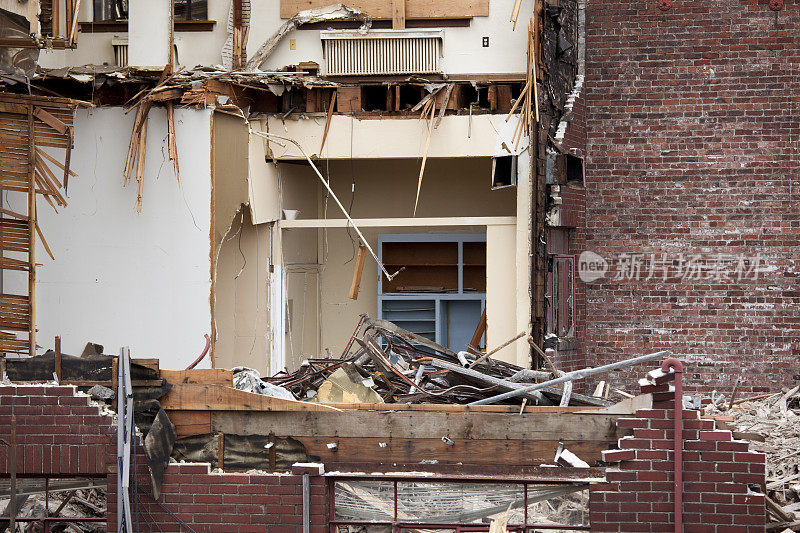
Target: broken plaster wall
(122, 278)
(319, 262)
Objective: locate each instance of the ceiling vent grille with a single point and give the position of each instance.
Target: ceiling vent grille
(386, 52)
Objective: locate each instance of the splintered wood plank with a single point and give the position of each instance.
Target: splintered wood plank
(199, 397)
(50, 120)
(208, 376)
(414, 9)
(357, 272)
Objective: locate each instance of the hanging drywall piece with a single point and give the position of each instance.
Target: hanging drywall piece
(262, 183)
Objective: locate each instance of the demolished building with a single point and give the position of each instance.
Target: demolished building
(272, 175)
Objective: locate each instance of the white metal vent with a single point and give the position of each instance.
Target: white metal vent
(120, 45)
(383, 52)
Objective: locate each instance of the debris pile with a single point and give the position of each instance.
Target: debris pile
(385, 363)
(772, 425)
(68, 499)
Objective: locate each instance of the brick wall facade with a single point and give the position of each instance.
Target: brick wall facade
(692, 148)
(638, 494)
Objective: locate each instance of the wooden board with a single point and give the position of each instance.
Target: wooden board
(414, 9)
(449, 408)
(205, 397)
(151, 363)
(467, 452)
(208, 376)
(431, 425)
(188, 423)
(348, 99)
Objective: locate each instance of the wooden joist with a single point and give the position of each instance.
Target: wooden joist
(200, 397)
(414, 9)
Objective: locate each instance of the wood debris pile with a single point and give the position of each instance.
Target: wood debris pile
(772, 425)
(402, 367)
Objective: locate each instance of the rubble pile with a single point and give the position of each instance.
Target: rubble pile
(772, 425)
(70, 505)
(384, 363)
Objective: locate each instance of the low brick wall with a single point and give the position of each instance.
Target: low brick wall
(214, 502)
(717, 472)
(60, 434)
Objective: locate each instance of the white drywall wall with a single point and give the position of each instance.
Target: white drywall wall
(462, 51)
(148, 33)
(122, 278)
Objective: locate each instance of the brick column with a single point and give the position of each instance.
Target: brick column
(721, 477)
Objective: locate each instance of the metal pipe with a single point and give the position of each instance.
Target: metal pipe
(336, 198)
(535, 397)
(12, 465)
(202, 355)
(676, 366)
(306, 503)
(569, 376)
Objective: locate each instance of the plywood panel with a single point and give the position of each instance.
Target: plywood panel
(415, 9)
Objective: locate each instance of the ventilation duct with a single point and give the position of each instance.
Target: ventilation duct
(383, 52)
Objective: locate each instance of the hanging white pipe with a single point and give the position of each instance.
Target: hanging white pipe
(327, 186)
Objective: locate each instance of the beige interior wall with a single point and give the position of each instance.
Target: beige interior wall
(319, 263)
(501, 290)
(241, 311)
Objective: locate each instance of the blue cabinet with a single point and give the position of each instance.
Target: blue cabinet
(441, 291)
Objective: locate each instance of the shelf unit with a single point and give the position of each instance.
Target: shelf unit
(441, 293)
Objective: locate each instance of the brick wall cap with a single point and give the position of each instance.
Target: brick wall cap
(658, 373)
(315, 469)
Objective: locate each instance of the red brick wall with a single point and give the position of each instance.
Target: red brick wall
(575, 136)
(57, 432)
(638, 494)
(692, 146)
(240, 503)
(573, 215)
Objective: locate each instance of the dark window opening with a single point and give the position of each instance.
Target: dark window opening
(469, 95)
(117, 10)
(561, 295)
(504, 171)
(410, 95)
(374, 98)
(574, 168)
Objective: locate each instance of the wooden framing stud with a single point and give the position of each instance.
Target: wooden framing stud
(57, 358)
